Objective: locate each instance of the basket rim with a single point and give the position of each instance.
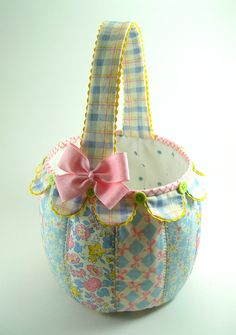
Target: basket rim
(150, 191)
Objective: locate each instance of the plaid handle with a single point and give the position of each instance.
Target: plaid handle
(118, 50)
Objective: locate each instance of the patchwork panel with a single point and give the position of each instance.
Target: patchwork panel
(90, 260)
(53, 231)
(141, 258)
(182, 245)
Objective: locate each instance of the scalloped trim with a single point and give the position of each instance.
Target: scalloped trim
(99, 220)
(92, 200)
(162, 219)
(197, 171)
(39, 174)
(149, 192)
(188, 193)
(196, 199)
(37, 193)
(77, 212)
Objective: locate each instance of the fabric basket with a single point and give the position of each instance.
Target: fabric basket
(120, 209)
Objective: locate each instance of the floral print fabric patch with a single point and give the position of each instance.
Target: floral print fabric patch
(90, 261)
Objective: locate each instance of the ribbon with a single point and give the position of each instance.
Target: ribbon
(106, 178)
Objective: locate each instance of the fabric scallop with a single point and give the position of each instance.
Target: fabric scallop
(66, 208)
(196, 190)
(170, 206)
(122, 213)
(41, 182)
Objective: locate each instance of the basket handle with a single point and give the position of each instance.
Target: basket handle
(118, 50)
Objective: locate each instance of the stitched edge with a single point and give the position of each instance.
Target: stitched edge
(93, 205)
(163, 298)
(116, 266)
(68, 215)
(89, 84)
(65, 251)
(168, 220)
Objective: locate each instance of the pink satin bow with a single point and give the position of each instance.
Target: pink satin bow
(107, 178)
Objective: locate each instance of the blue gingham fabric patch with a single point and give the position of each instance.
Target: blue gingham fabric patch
(196, 189)
(40, 183)
(69, 207)
(121, 213)
(167, 206)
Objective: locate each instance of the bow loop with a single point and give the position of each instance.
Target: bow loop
(107, 177)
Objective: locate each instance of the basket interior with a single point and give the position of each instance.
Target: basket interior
(152, 163)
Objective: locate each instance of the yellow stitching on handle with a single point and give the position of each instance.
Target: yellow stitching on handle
(89, 84)
(132, 24)
(146, 79)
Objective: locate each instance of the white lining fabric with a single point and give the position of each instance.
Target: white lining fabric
(151, 163)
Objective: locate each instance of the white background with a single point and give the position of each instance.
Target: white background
(45, 54)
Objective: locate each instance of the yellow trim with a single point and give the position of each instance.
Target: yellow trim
(196, 199)
(38, 173)
(132, 24)
(168, 220)
(197, 171)
(89, 85)
(68, 215)
(146, 80)
(131, 217)
(37, 193)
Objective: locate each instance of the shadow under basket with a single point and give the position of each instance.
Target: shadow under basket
(119, 244)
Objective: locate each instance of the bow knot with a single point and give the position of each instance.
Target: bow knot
(91, 175)
(107, 177)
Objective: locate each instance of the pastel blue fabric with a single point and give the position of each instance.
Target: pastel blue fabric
(54, 231)
(182, 244)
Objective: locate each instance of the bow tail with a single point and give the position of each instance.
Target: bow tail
(110, 194)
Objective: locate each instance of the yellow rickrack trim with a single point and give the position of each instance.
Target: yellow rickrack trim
(196, 199)
(37, 193)
(89, 84)
(93, 205)
(146, 79)
(168, 220)
(38, 173)
(197, 171)
(68, 215)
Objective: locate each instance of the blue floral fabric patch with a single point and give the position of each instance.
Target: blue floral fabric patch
(182, 244)
(53, 231)
(90, 258)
